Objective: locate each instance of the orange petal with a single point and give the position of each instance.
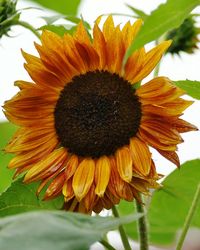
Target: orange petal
(151, 60)
(153, 141)
(171, 156)
(99, 44)
(43, 77)
(141, 156)
(71, 166)
(28, 158)
(134, 64)
(83, 178)
(158, 91)
(182, 126)
(90, 199)
(115, 51)
(73, 55)
(130, 32)
(31, 59)
(55, 187)
(67, 190)
(108, 27)
(51, 163)
(81, 34)
(124, 164)
(102, 175)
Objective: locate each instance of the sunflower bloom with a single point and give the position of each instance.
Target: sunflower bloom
(84, 130)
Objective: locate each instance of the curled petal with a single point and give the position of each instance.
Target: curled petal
(124, 164)
(141, 156)
(102, 175)
(83, 178)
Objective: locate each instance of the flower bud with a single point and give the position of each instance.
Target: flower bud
(185, 38)
(8, 15)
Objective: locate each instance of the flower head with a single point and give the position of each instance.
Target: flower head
(8, 14)
(85, 131)
(185, 38)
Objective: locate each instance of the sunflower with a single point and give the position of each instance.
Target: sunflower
(84, 129)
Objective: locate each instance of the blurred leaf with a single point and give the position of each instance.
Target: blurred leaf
(20, 197)
(126, 208)
(170, 204)
(58, 29)
(140, 13)
(52, 19)
(55, 230)
(192, 88)
(72, 19)
(6, 132)
(66, 7)
(166, 17)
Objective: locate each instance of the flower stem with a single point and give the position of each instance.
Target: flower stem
(28, 26)
(107, 245)
(142, 227)
(157, 69)
(122, 232)
(189, 218)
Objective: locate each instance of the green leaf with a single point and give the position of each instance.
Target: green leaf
(6, 131)
(66, 7)
(192, 88)
(55, 230)
(59, 29)
(139, 13)
(170, 204)
(20, 197)
(166, 17)
(52, 19)
(72, 19)
(125, 208)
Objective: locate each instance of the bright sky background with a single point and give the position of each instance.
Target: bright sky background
(177, 68)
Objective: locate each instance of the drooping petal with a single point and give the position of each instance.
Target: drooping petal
(171, 156)
(67, 190)
(141, 156)
(83, 178)
(55, 188)
(102, 175)
(71, 166)
(124, 163)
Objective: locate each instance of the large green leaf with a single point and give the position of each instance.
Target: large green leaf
(169, 205)
(192, 88)
(66, 7)
(20, 197)
(6, 132)
(166, 17)
(55, 230)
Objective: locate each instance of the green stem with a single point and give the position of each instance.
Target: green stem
(142, 227)
(28, 26)
(189, 218)
(122, 232)
(107, 245)
(157, 69)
